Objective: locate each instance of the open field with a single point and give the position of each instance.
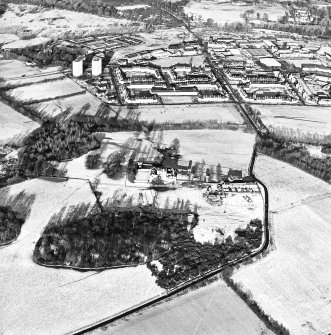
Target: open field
(75, 104)
(185, 113)
(166, 62)
(8, 38)
(14, 71)
(45, 90)
(56, 23)
(302, 119)
(44, 295)
(14, 126)
(222, 13)
(160, 38)
(292, 283)
(214, 309)
(232, 149)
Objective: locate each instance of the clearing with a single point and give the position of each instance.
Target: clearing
(170, 61)
(214, 309)
(292, 283)
(221, 113)
(14, 126)
(43, 295)
(297, 120)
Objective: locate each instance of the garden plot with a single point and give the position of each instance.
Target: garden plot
(214, 309)
(14, 126)
(297, 120)
(292, 283)
(86, 104)
(232, 149)
(220, 113)
(44, 295)
(228, 13)
(57, 24)
(49, 90)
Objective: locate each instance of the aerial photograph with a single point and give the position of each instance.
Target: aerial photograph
(165, 167)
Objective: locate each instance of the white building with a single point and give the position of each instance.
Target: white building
(96, 66)
(77, 67)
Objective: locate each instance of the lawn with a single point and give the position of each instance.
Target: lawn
(14, 126)
(292, 283)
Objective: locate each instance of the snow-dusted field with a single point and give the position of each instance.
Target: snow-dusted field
(14, 126)
(302, 119)
(22, 44)
(185, 113)
(56, 23)
(160, 38)
(292, 283)
(232, 149)
(15, 71)
(45, 90)
(169, 61)
(222, 13)
(214, 309)
(75, 104)
(41, 300)
(8, 38)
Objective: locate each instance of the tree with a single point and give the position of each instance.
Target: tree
(114, 163)
(218, 172)
(175, 145)
(92, 160)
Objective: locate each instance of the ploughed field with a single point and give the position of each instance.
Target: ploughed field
(292, 283)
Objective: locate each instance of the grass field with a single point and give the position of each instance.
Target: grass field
(14, 126)
(292, 283)
(301, 119)
(35, 298)
(232, 149)
(186, 113)
(214, 309)
(45, 90)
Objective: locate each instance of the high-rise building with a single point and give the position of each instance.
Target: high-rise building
(96, 66)
(77, 67)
